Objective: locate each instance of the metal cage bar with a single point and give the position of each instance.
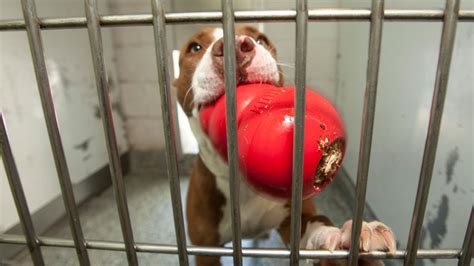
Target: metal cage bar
(32, 24)
(220, 251)
(19, 195)
(159, 30)
(466, 251)
(49, 111)
(231, 126)
(441, 83)
(298, 134)
(336, 14)
(105, 107)
(367, 127)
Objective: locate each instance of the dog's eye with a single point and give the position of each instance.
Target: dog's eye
(261, 40)
(194, 47)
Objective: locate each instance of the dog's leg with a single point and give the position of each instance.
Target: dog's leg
(204, 211)
(374, 236)
(317, 232)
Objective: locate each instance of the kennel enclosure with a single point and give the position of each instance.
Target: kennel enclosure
(93, 21)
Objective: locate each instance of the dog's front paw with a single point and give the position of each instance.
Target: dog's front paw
(323, 237)
(374, 236)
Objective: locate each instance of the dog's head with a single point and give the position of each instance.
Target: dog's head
(201, 62)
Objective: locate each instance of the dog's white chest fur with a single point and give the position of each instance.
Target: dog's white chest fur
(257, 214)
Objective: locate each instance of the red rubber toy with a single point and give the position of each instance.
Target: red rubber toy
(265, 122)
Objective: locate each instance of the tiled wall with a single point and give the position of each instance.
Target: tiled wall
(137, 75)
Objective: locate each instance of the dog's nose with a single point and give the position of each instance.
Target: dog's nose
(244, 50)
(244, 44)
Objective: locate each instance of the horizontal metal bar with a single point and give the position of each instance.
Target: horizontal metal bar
(19, 195)
(159, 30)
(448, 37)
(15, 239)
(219, 251)
(240, 16)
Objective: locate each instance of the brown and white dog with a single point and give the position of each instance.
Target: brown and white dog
(201, 80)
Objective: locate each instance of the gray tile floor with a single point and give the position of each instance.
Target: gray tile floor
(152, 221)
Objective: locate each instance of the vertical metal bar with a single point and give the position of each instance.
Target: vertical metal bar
(95, 38)
(37, 54)
(231, 125)
(159, 28)
(19, 195)
(298, 135)
(436, 113)
(466, 251)
(375, 40)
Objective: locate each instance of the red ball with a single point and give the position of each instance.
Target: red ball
(265, 124)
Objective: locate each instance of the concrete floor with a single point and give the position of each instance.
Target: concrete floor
(152, 220)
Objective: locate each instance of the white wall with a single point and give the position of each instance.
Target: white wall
(407, 72)
(71, 76)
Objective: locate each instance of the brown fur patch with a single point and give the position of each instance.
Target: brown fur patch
(187, 65)
(308, 213)
(204, 206)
